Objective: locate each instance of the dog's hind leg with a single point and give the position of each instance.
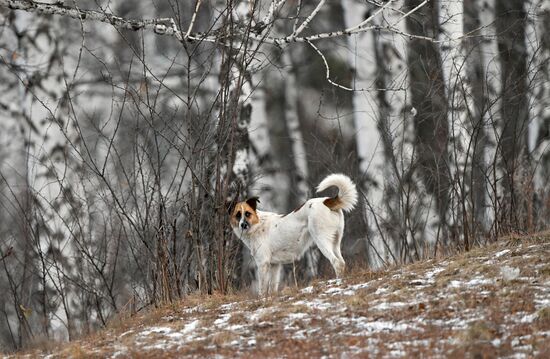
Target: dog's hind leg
(337, 245)
(334, 257)
(329, 245)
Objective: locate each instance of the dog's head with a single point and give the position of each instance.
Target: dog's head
(243, 214)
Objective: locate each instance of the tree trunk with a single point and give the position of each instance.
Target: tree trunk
(541, 92)
(428, 99)
(510, 27)
(476, 77)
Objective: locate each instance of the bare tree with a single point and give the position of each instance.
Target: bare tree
(429, 101)
(510, 27)
(125, 134)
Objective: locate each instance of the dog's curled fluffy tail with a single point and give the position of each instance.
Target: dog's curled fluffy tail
(346, 199)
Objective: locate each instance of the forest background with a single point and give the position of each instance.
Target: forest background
(126, 127)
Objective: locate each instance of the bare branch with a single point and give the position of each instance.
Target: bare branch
(197, 7)
(369, 19)
(168, 27)
(159, 26)
(307, 20)
(327, 72)
(6, 254)
(275, 6)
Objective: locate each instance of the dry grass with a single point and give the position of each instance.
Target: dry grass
(543, 319)
(464, 308)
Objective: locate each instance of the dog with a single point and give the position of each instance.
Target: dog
(275, 239)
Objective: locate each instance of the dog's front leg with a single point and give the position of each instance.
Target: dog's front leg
(263, 278)
(275, 277)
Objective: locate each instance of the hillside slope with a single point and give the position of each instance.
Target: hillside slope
(493, 301)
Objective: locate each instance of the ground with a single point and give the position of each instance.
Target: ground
(490, 302)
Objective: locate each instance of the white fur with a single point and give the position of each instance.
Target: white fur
(276, 239)
(346, 189)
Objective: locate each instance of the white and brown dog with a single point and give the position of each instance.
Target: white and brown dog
(275, 239)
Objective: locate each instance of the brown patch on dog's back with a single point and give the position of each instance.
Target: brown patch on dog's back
(299, 207)
(295, 210)
(243, 207)
(334, 203)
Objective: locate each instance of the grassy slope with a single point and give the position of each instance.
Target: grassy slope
(469, 304)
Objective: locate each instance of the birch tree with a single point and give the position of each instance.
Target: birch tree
(510, 28)
(428, 98)
(160, 119)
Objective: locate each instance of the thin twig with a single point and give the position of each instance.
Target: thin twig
(193, 18)
(308, 19)
(367, 20)
(327, 70)
(168, 27)
(273, 8)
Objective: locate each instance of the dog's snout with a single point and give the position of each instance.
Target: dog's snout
(244, 225)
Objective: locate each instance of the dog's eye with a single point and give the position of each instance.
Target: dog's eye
(247, 214)
(238, 215)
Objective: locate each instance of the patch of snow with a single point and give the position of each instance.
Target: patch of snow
(356, 287)
(296, 316)
(300, 335)
(237, 328)
(381, 290)
(409, 343)
(222, 320)
(525, 347)
(198, 308)
(307, 290)
(349, 290)
(541, 302)
(397, 353)
(529, 318)
(471, 283)
(155, 330)
(501, 253)
(384, 326)
(175, 335)
(509, 273)
(334, 290)
(259, 313)
(228, 306)
(314, 304)
(432, 273)
(160, 345)
(336, 281)
(125, 333)
(456, 284)
(365, 324)
(190, 327)
(452, 323)
(479, 281)
(119, 351)
(390, 305)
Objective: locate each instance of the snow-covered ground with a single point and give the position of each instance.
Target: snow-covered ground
(493, 301)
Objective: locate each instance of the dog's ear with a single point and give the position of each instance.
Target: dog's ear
(252, 202)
